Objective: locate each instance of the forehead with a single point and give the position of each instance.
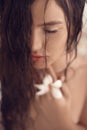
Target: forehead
(53, 11)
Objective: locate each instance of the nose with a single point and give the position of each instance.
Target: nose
(36, 41)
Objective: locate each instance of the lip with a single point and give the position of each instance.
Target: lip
(37, 57)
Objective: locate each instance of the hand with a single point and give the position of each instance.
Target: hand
(57, 89)
(55, 109)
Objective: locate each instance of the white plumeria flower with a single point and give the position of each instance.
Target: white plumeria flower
(47, 80)
(44, 88)
(56, 93)
(57, 84)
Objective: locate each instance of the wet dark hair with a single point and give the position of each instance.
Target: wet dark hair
(17, 72)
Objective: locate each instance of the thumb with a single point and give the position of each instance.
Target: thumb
(52, 73)
(66, 92)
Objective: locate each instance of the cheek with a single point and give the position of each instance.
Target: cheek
(57, 44)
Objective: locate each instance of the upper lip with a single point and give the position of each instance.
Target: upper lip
(38, 56)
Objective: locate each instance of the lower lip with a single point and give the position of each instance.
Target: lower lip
(37, 58)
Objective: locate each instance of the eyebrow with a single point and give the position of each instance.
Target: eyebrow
(50, 23)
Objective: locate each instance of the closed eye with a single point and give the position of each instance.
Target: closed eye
(51, 31)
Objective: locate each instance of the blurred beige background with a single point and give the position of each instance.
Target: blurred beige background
(82, 47)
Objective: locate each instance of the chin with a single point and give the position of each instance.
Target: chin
(42, 66)
(39, 66)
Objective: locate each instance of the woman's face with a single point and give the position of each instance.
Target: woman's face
(53, 34)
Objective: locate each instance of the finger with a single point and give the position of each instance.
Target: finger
(66, 92)
(52, 72)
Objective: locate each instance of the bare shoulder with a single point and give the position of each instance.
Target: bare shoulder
(78, 69)
(80, 65)
(77, 81)
(79, 72)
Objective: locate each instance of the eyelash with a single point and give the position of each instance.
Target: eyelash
(49, 31)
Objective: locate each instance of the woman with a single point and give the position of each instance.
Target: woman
(44, 84)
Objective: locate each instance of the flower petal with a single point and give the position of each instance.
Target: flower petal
(56, 93)
(47, 80)
(57, 84)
